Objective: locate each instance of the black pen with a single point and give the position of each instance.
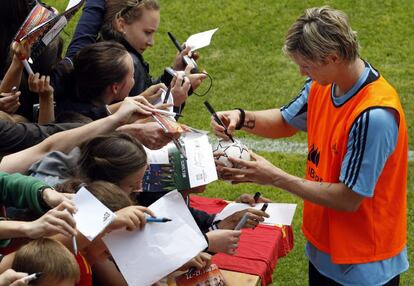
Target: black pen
(167, 94)
(217, 119)
(176, 43)
(256, 197)
(187, 59)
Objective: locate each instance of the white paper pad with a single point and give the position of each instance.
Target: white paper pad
(279, 213)
(92, 216)
(200, 40)
(146, 256)
(200, 160)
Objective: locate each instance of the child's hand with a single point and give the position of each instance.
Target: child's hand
(131, 218)
(180, 87)
(12, 278)
(254, 217)
(56, 220)
(202, 260)
(223, 240)
(40, 85)
(9, 102)
(21, 51)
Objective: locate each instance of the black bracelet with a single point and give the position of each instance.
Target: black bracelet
(241, 119)
(40, 199)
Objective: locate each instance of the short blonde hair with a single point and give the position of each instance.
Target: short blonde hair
(48, 256)
(319, 32)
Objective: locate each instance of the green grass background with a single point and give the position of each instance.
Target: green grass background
(250, 71)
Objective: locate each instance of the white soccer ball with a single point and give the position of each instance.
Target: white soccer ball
(234, 149)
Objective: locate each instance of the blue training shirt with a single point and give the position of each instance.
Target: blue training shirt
(370, 153)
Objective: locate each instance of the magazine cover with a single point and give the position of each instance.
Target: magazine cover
(53, 31)
(35, 24)
(171, 168)
(205, 277)
(43, 23)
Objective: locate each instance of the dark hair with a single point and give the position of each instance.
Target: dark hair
(97, 66)
(111, 157)
(113, 197)
(72, 117)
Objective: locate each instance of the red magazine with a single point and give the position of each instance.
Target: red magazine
(42, 19)
(35, 24)
(205, 277)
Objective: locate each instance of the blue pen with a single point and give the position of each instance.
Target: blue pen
(158, 219)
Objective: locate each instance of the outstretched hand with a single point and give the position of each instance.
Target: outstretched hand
(131, 110)
(21, 51)
(249, 199)
(9, 102)
(56, 220)
(254, 217)
(150, 134)
(12, 278)
(132, 217)
(223, 240)
(152, 94)
(40, 85)
(200, 261)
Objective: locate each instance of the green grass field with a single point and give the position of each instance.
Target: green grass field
(251, 72)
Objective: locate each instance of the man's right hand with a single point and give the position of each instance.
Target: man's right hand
(230, 118)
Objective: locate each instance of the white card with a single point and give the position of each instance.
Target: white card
(278, 213)
(200, 40)
(92, 216)
(146, 256)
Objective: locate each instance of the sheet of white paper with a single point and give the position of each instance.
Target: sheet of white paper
(146, 256)
(92, 216)
(279, 213)
(159, 156)
(72, 3)
(200, 160)
(200, 40)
